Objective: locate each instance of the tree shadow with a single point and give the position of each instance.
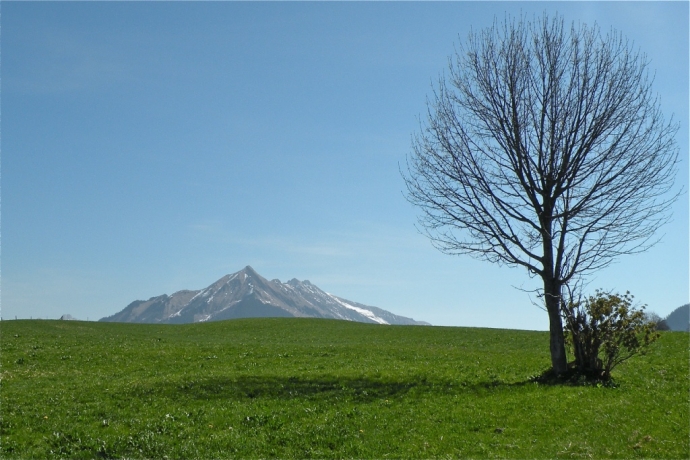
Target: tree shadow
(278, 387)
(324, 386)
(572, 377)
(361, 389)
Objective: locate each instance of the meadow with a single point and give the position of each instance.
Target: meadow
(309, 388)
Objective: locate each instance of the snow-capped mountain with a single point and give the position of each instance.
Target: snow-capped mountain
(246, 294)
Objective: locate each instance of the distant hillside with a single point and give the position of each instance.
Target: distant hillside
(246, 294)
(679, 319)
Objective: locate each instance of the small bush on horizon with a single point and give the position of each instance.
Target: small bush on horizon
(604, 330)
(660, 324)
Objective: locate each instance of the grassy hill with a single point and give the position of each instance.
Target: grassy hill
(321, 388)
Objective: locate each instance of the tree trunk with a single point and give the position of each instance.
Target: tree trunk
(552, 295)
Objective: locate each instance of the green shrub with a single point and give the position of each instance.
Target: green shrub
(604, 330)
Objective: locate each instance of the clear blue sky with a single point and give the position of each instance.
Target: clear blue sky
(153, 147)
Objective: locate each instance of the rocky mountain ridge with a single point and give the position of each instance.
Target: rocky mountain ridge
(246, 294)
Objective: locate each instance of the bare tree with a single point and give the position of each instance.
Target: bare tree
(544, 148)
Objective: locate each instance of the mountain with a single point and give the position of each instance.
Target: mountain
(246, 294)
(679, 319)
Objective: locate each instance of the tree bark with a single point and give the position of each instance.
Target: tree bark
(553, 284)
(552, 293)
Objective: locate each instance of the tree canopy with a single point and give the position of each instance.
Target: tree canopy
(544, 147)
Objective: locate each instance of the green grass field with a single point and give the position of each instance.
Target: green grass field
(327, 389)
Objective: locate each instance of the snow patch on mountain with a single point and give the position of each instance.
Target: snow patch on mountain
(361, 311)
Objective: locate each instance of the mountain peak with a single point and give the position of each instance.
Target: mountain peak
(248, 270)
(246, 294)
(294, 282)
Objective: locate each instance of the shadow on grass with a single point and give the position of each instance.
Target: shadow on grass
(275, 387)
(571, 378)
(355, 388)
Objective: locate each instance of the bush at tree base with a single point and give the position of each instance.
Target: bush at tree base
(604, 330)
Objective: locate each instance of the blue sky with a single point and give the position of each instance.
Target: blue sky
(153, 147)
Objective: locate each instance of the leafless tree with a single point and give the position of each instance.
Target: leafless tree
(544, 148)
